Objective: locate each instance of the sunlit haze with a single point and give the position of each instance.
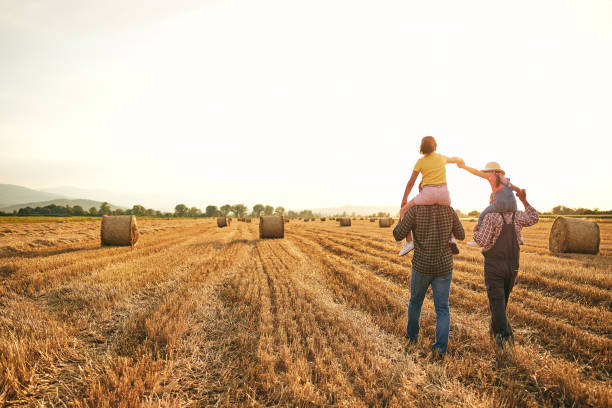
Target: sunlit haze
(306, 104)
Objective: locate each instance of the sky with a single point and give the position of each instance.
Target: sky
(306, 104)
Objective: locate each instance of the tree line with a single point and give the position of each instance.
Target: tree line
(180, 210)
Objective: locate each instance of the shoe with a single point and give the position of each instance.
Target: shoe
(473, 244)
(408, 246)
(453, 245)
(436, 355)
(410, 345)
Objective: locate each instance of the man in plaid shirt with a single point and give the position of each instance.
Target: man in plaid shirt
(432, 264)
(499, 235)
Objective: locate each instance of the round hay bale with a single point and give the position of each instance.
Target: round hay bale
(221, 222)
(384, 223)
(286, 220)
(119, 230)
(249, 220)
(323, 219)
(372, 219)
(271, 226)
(345, 222)
(574, 235)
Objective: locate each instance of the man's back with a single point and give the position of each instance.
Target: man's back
(432, 226)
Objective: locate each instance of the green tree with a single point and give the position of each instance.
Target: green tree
(292, 214)
(105, 208)
(212, 211)
(93, 211)
(279, 210)
(138, 210)
(194, 212)
(239, 210)
(473, 213)
(258, 209)
(180, 210)
(225, 210)
(268, 210)
(78, 210)
(150, 212)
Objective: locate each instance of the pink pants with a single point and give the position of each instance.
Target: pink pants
(433, 195)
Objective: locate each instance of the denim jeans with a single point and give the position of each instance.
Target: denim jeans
(503, 201)
(440, 285)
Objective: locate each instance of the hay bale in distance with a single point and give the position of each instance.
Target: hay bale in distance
(384, 223)
(271, 226)
(322, 218)
(345, 222)
(574, 235)
(222, 222)
(372, 219)
(119, 230)
(249, 220)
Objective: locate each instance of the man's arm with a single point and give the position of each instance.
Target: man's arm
(406, 225)
(458, 230)
(486, 232)
(530, 216)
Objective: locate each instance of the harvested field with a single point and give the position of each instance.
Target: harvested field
(196, 315)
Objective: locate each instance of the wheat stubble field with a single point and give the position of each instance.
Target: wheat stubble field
(196, 315)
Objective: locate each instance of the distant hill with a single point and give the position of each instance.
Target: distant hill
(86, 204)
(358, 210)
(11, 194)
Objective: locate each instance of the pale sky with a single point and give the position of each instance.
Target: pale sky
(306, 104)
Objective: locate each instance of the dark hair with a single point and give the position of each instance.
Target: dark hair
(428, 145)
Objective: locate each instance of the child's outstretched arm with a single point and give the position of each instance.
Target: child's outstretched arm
(409, 187)
(515, 188)
(473, 170)
(454, 160)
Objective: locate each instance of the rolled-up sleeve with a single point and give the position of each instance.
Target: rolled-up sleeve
(406, 225)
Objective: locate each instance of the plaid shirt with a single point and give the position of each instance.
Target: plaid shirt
(431, 227)
(491, 226)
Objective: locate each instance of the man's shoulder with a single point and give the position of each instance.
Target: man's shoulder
(434, 209)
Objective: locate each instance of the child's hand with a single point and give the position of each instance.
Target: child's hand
(461, 163)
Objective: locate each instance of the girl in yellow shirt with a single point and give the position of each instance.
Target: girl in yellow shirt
(432, 167)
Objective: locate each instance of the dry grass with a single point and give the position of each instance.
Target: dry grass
(198, 316)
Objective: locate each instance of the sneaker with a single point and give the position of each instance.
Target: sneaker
(408, 246)
(453, 245)
(473, 244)
(436, 354)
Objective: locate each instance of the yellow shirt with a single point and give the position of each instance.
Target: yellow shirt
(432, 168)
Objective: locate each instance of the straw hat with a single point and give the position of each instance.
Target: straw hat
(493, 166)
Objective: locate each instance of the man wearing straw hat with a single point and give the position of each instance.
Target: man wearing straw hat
(499, 235)
(432, 265)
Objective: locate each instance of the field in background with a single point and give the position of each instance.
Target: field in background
(196, 315)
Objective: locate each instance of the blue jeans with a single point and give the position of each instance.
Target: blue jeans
(440, 285)
(503, 201)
